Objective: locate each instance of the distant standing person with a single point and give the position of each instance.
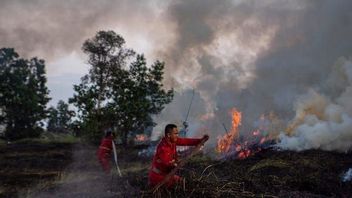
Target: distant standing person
(105, 150)
(165, 158)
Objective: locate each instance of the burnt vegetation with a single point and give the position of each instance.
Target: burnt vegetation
(269, 173)
(26, 165)
(71, 170)
(121, 93)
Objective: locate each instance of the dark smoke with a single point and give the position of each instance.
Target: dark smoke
(258, 56)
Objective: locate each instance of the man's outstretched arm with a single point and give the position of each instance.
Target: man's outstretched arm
(191, 141)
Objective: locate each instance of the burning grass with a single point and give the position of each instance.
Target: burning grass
(269, 173)
(67, 170)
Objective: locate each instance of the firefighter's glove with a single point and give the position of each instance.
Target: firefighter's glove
(174, 163)
(205, 137)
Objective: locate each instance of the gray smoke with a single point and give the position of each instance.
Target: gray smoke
(324, 121)
(49, 29)
(261, 57)
(56, 30)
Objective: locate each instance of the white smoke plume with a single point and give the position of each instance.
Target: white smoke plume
(260, 57)
(323, 122)
(257, 56)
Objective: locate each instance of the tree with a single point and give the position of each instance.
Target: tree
(23, 94)
(117, 93)
(60, 118)
(105, 54)
(138, 96)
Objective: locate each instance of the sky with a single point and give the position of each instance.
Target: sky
(278, 57)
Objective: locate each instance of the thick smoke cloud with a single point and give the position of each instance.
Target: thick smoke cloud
(50, 29)
(56, 30)
(322, 121)
(258, 56)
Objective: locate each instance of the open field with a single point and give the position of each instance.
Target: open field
(71, 170)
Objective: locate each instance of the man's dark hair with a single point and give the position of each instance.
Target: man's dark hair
(108, 132)
(169, 128)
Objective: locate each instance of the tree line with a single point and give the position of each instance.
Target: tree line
(120, 93)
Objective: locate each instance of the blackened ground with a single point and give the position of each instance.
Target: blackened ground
(25, 165)
(84, 177)
(65, 170)
(270, 173)
(72, 170)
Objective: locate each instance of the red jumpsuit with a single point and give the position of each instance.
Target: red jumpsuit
(163, 160)
(104, 153)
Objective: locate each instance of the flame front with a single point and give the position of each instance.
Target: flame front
(224, 143)
(231, 144)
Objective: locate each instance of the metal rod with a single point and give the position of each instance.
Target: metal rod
(189, 107)
(225, 128)
(115, 159)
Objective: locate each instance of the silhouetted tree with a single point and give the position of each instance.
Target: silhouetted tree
(117, 93)
(138, 96)
(23, 94)
(60, 118)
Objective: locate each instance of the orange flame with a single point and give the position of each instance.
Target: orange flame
(230, 143)
(224, 143)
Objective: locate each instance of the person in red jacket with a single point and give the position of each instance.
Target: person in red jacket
(165, 158)
(105, 150)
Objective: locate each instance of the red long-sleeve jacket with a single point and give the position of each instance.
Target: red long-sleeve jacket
(104, 153)
(106, 145)
(164, 157)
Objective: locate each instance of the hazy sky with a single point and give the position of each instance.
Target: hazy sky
(258, 56)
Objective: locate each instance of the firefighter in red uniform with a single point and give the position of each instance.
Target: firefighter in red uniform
(165, 158)
(105, 150)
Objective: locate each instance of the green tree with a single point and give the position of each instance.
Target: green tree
(105, 54)
(23, 94)
(60, 118)
(117, 93)
(138, 96)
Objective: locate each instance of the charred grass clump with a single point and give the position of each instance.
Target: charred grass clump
(270, 173)
(84, 176)
(24, 165)
(72, 170)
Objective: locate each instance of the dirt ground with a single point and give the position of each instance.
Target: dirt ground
(72, 170)
(63, 170)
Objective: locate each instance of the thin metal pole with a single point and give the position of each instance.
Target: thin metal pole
(225, 128)
(115, 159)
(189, 107)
